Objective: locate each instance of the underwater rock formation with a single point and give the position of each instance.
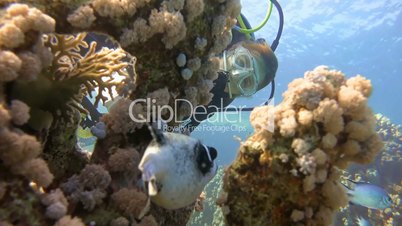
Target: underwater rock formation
(291, 176)
(49, 61)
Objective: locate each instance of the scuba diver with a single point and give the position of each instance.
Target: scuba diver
(246, 66)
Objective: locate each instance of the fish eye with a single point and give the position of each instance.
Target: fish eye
(213, 152)
(205, 157)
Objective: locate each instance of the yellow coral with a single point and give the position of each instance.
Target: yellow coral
(93, 70)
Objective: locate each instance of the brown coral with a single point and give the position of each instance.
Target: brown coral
(83, 17)
(88, 187)
(132, 202)
(94, 176)
(193, 9)
(120, 221)
(4, 116)
(322, 124)
(35, 170)
(69, 221)
(124, 160)
(19, 152)
(119, 118)
(31, 66)
(11, 36)
(148, 221)
(170, 24)
(10, 64)
(19, 112)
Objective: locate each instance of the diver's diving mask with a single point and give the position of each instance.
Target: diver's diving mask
(242, 71)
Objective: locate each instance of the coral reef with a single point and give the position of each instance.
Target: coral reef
(162, 51)
(50, 59)
(381, 172)
(208, 213)
(292, 175)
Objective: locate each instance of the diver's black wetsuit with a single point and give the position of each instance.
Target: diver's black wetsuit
(219, 100)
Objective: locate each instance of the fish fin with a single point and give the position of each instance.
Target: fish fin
(357, 182)
(149, 177)
(348, 189)
(145, 210)
(152, 187)
(156, 133)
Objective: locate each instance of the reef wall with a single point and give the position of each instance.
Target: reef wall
(291, 176)
(49, 60)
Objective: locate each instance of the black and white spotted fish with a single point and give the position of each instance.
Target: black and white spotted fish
(176, 168)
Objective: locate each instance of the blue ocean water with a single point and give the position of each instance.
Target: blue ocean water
(354, 36)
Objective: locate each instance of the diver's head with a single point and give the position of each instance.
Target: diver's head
(251, 65)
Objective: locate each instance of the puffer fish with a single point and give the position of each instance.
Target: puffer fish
(368, 195)
(175, 168)
(362, 221)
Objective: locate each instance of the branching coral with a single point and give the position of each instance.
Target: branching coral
(316, 119)
(94, 69)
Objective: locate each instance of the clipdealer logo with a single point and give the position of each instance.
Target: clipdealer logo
(229, 119)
